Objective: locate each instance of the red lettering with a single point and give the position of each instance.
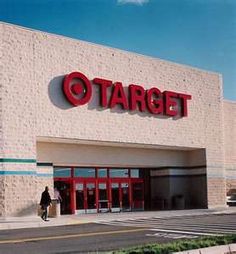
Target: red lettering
(155, 106)
(170, 104)
(184, 106)
(74, 91)
(118, 96)
(103, 85)
(78, 91)
(137, 97)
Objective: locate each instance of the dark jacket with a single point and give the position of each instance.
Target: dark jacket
(45, 199)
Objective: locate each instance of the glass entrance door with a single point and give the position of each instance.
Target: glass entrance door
(92, 190)
(91, 198)
(103, 197)
(85, 195)
(125, 197)
(120, 196)
(64, 188)
(115, 197)
(80, 199)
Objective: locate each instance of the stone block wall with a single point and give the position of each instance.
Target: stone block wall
(230, 144)
(19, 187)
(20, 195)
(44, 178)
(33, 106)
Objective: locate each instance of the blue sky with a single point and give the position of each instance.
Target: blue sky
(200, 33)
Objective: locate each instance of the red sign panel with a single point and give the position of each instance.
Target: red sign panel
(78, 91)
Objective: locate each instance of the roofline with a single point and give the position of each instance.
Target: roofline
(229, 101)
(105, 46)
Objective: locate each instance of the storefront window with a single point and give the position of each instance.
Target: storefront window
(115, 195)
(102, 172)
(91, 195)
(99, 189)
(135, 173)
(119, 172)
(62, 172)
(84, 172)
(102, 192)
(79, 188)
(125, 196)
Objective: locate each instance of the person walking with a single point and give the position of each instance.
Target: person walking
(45, 202)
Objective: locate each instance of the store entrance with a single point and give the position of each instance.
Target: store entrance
(96, 190)
(120, 195)
(85, 193)
(64, 188)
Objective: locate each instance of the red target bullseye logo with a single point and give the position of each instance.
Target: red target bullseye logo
(77, 88)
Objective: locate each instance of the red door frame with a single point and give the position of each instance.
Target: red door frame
(120, 181)
(72, 190)
(85, 181)
(102, 181)
(73, 180)
(88, 181)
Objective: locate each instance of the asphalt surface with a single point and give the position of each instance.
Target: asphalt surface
(73, 239)
(106, 236)
(219, 224)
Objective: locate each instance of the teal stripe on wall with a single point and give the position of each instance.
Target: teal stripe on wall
(15, 160)
(44, 175)
(4, 172)
(24, 173)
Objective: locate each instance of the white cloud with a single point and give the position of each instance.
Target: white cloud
(138, 2)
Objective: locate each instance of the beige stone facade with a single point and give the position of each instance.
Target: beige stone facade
(38, 125)
(230, 144)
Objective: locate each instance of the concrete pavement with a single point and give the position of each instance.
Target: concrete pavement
(35, 221)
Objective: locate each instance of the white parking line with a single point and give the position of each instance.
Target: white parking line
(185, 232)
(172, 235)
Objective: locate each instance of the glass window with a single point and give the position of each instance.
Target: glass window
(61, 172)
(102, 172)
(91, 195)
(84, 172)
(79, 188)
(115, 195)
(119, 172)
(102, 192)
(125, 196)
(136, 173)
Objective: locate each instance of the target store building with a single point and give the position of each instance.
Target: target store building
(112, 130)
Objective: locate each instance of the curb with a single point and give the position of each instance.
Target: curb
(222, 249)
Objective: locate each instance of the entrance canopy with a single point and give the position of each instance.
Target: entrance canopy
(99, 178)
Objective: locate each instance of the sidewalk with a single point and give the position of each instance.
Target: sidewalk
(35, 221)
